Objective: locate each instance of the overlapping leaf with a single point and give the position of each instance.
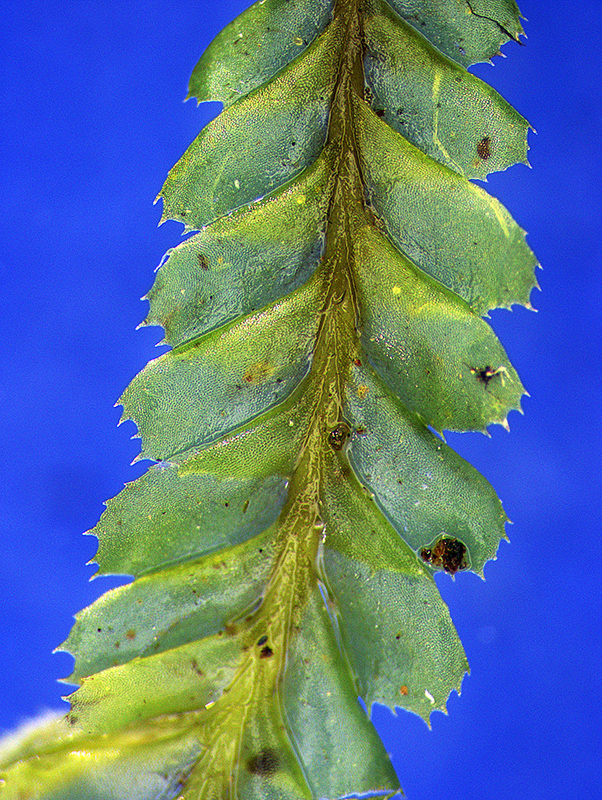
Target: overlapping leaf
(325, 318)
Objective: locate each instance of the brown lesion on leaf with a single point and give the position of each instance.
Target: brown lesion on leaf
(203, 261)
(447, 552)
(338, 436)
(486, 374)
(484, 148)
(266, 652)
(265, 763)
(258, 372)
(196, 669)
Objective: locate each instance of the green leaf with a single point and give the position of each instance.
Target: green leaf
(326, 323)
(449, 114)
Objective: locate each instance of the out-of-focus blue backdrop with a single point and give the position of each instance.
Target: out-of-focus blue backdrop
(92, 120)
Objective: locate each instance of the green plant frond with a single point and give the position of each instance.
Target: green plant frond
(325, 319)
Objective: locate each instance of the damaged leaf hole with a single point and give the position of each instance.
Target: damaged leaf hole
(485, 374)
(266, 762)
(447, 553)
(338, 436)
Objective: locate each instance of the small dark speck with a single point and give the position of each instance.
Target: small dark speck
(266, 652)
(262, 640)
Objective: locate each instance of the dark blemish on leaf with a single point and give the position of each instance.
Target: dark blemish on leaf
(447, 553)
(266, 652)
(203, 263)
(266, 762)
(484, 148)
(196, 668)
(361, 431)
(231, 629)
(380, 112)
(262, 640)
(485, 374)
(99, 630)
(338, 436)
(245, 506)
(404, 690)
(259, 372)
(131, 635)
(73, 719)
(357, 362)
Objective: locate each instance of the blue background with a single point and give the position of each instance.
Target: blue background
(92, 122)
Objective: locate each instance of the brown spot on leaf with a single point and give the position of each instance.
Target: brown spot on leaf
(484, 148)
(447, 553)
(404, 691)
(266, 762)
(131, 635)
(485, 374)
(338, 436)
(196, 668)
(258, 372)
(203, 262)
(266, 652)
